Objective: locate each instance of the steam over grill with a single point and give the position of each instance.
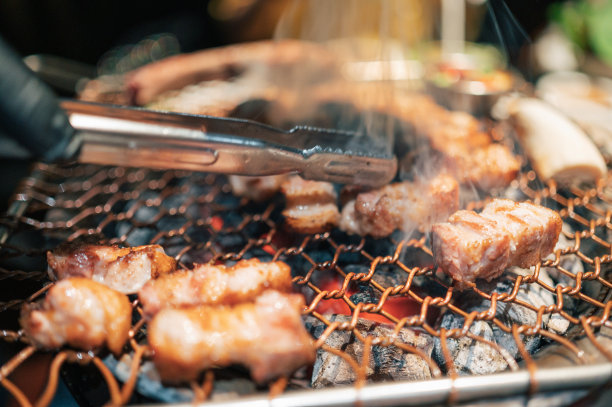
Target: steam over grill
(433, 332)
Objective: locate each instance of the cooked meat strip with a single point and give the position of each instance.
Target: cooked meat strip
(281, 59)
(492, 166)
(267, 336)
(310, 205)
(124, 269)
(214, 285)
(506, 233)
(81, 313)
(405, 205)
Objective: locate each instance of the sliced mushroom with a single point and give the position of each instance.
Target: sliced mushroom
(557, 147)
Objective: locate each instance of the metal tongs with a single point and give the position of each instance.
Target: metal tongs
(104, 134)
(143, 138)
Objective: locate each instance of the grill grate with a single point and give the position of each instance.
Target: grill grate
(197, 219)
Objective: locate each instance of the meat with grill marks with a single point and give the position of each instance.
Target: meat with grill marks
(506, 233)
(311, 205)
(405, 205)
(214, 285)
(79, 312)
(125, 269)
(266, 335)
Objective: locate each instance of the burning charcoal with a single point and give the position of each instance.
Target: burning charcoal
(538, 296)
(470, 356)
(385, 276)
(465, 350)
(386, 363)
(573, 264)
(570, 262)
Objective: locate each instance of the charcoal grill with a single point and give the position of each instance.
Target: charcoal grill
(195, 217)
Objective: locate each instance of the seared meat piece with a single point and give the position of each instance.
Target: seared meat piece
(467, 150)
(534, 230)
(256, 188)
(404, 205)
(470, 246)
(492, 166)
(311, 205)
(214, 285)
(81, 313)
(124, 269)
(267, 336)
(506, 233)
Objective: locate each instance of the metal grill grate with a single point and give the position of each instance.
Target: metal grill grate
(197, 219)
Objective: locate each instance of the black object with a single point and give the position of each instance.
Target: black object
(29, 111)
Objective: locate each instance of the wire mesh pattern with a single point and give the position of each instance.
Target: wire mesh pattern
(380, 296)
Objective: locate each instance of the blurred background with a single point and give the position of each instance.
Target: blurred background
(97, 37)
(101, 37)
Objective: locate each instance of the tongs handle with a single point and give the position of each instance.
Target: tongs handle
(29, 111)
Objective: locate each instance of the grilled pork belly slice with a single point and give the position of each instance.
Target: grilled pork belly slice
(404, 205)
(534, 230)
(311, 205)
(79, 312)
(267, 336)
(506, 233)
(214, 285)
(125, 269)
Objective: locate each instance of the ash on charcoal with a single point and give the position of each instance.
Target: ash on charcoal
(386, 362)
(149, 384)
(474, 357)
(573, 264)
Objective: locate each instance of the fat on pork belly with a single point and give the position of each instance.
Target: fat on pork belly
(310, 205)
(125, 269)
(266, 335)
(506, 233)
(404, 205)
(81, 313)
(214, 285)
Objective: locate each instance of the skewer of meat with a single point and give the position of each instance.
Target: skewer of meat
(311, 205)
(125, 269)
(214, 285)
(81, 313)
(404, 205)
(267, 336)
(504, 234)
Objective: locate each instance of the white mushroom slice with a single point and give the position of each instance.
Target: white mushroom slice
(557, 147)
(586, 100)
